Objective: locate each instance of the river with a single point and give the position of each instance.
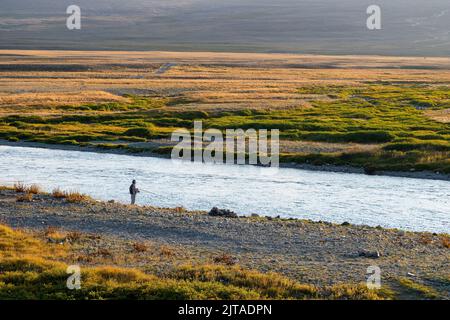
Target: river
(395, 202)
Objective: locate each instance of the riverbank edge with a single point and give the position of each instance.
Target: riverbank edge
(181, 211)
(429, 175)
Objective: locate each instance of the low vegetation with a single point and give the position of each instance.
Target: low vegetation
(26, 193)
(392, 117)
(26, 197)
(23, 188)
(34, 269)
(70, 196)
(417, 288)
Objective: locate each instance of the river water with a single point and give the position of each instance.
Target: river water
(410, 204)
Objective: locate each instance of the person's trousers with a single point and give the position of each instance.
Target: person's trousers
(133, 199)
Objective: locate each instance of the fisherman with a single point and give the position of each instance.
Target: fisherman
(133, 192)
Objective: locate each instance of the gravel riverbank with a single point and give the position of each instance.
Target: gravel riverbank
(313, 252)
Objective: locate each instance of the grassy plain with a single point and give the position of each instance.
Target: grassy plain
(376, 113)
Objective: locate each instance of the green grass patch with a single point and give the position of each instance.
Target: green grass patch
(418, 288)
(391, 116)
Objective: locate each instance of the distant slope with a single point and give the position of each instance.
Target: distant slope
(410, 27)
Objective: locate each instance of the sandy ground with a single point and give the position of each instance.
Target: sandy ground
(313, 252)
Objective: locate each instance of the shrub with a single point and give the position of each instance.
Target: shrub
(27, 197)
(270, 285)
(356, 136)
(419, 288)
(141, 132)
(50, 230)
(445, 240)
(419, 145)
(70, 196)
(193, 115)
(369, 136)
(34, 189)
(350, 292)
(74, 197)
(73, 236)
(69, 142)
(140, 247)
(20, 187)
(58, 193)
(225, 259)
(166, 251)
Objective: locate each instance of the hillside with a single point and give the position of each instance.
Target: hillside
(409, 27)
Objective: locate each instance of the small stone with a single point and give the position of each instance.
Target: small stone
(345, 223)
(370, 254)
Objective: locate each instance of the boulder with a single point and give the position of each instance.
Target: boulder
(216, 212)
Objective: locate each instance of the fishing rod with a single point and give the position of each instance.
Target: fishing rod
(146, 191)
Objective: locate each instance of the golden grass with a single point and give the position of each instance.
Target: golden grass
(20, 187)
(58, 193)
(74, 197)
(355, 292)
(145, 57)
(166, 251)
(225, 259)
(50, 99)
(73, 236)
(27, 197)
(214, 81)
(15, 243)
(439, 115)
(50, 230)
(425, 291)
(140, 247)
(31, 189)
(34, 189)
(70, 196)
(445, 240)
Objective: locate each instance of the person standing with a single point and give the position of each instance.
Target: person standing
(133, 192)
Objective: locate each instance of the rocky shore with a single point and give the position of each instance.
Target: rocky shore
(312, 252)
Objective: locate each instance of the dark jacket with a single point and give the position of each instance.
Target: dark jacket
(133, 189)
